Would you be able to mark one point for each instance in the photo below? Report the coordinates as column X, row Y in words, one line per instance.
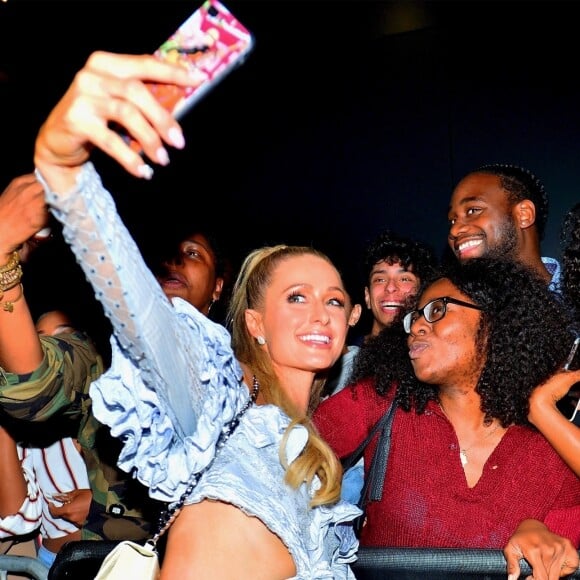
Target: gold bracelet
column 8, row 306
column 12, row 263
column 10, row 279
column 10, row 274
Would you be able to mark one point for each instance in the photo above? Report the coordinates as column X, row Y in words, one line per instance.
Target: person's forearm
column 563, row 435
column 13, row 487
column 22, row 213
column 112, row 263
column 59, row 179
column 20, row 347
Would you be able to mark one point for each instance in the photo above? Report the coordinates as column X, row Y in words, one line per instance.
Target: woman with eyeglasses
column 466, row 469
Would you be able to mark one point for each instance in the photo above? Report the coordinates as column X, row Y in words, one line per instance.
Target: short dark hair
column 521, row 184
column 394, row 248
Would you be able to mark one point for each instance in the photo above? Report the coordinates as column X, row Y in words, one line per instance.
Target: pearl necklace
column 463, row 452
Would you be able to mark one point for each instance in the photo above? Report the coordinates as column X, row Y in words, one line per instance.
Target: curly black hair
column 521, row 184
column 394, row 248
column 525, row 336
column 570, row 243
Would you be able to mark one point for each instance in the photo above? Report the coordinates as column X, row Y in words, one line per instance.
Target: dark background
column 348, row 118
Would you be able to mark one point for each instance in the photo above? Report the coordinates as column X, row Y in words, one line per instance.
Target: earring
column 261, row 340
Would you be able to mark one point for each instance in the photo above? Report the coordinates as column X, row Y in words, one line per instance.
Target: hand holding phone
column 210, row 44
column 572, row 360
column 572, row 363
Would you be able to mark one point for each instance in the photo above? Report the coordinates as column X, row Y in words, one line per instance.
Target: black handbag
column 375, row 475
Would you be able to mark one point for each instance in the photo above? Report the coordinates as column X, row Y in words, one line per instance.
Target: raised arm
column 22, row 213
column 110, row 89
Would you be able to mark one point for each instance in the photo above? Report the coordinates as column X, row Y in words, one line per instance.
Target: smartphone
column 211, row 42
column 573, row 360
column 573, row 363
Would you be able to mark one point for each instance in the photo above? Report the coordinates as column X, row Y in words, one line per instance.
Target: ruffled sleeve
column 126, row 400
column 332, row 543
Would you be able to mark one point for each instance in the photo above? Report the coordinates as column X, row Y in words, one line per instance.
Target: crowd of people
column 231, row 430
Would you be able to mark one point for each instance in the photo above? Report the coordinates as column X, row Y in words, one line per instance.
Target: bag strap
column 375, row 477
column 348, row 461
column 375, row 480
column 169, row 515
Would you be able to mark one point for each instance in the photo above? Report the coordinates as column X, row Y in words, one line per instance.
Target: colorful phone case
column 211, row 42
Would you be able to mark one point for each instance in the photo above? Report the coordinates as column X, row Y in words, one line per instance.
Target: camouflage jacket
column 55, row 397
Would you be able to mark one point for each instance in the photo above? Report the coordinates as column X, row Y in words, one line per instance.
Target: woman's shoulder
column 360, row 394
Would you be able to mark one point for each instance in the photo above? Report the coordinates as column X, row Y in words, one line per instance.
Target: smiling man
column 394, row 267
column 501, row 210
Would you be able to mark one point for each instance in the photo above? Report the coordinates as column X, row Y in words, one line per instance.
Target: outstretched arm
column 544, row 414
column 164, row 357
column 108, row 90
column 38, row 376
column 111, row 89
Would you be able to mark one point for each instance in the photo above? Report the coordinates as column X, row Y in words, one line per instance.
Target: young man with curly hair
column 394, row 266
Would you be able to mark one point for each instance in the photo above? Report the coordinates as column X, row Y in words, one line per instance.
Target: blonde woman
column 227, row 429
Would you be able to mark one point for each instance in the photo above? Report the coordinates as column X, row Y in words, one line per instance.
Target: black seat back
column 80, row 560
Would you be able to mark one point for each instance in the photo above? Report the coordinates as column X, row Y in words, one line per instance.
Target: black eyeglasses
column 434, row 311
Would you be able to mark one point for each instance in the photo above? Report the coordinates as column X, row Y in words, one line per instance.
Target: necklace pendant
column 463, row 457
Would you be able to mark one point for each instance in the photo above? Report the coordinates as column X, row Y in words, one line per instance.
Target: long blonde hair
column 249, row 289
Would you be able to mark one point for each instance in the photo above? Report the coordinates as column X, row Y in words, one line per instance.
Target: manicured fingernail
column 145, row 171
column 162, row 156
column 176, row 138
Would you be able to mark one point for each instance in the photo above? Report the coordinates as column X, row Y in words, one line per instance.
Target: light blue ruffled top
column 174, row 383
